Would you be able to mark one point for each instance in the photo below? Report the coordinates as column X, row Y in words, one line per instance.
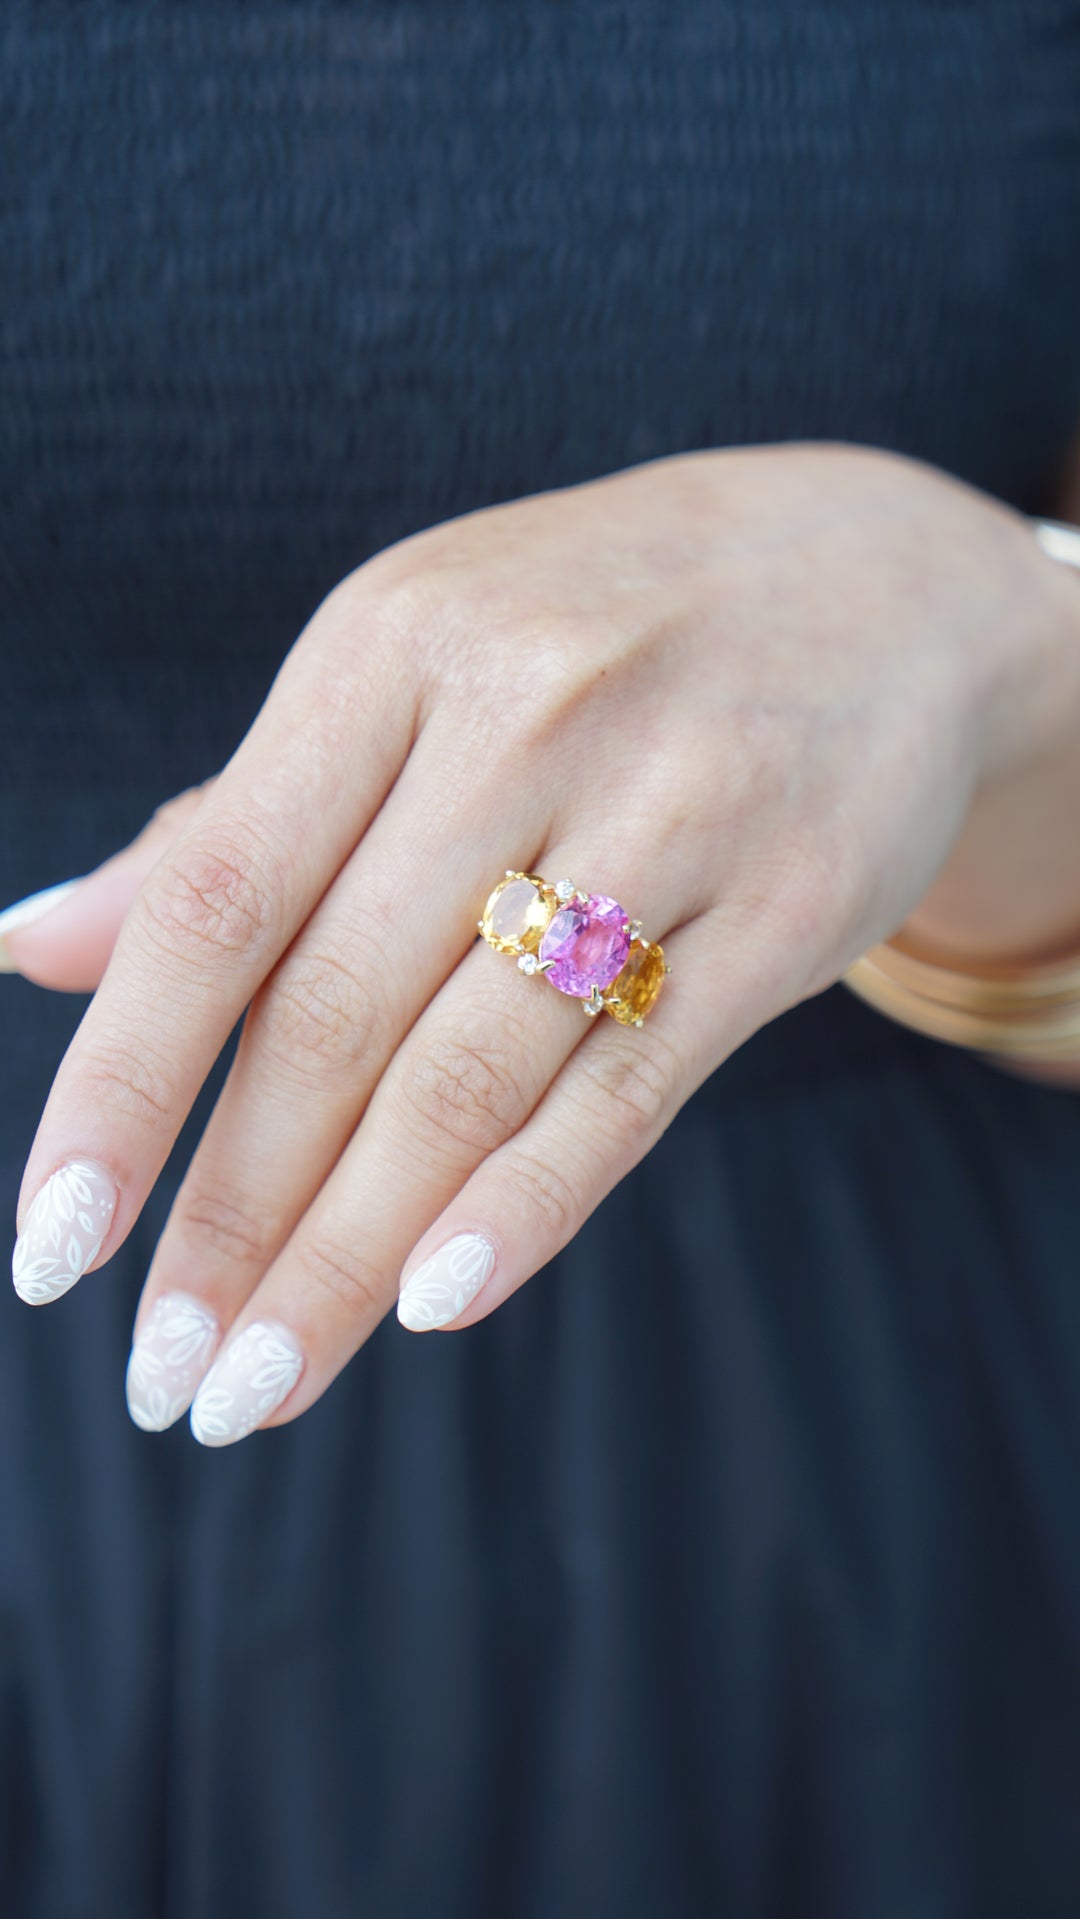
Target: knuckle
column 543, row 1192
column 199, row 898
column 383, row 612
column 226, row 1222
column 316, row 1014
column 636, row 1085
column 556, row 677
column 339, row 1274
column 132, row 1084
column 399, row 599
column 462, row 1091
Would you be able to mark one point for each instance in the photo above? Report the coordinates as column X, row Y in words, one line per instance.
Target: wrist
column 1028, row 708
column 1011, row 885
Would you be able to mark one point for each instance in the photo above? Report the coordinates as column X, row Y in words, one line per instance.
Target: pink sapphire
column 588, row 944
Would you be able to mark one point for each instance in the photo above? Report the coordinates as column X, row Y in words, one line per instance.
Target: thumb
column 63, row 937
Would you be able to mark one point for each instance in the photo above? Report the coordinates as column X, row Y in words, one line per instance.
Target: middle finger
column 316, row 1038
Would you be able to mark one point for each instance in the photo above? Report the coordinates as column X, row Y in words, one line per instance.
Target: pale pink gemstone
column 588, row 945
column 515, row 910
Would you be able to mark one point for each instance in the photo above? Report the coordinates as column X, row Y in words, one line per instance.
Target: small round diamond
column 565, row 890
column 528, row 963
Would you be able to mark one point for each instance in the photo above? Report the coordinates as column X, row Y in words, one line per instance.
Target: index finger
column 207, row 926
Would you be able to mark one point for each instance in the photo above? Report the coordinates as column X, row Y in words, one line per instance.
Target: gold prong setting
column 585, row 943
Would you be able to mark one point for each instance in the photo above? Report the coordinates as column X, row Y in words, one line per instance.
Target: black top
column 732, row 1566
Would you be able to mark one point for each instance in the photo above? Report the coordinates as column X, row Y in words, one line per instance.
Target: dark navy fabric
column 733, row 1567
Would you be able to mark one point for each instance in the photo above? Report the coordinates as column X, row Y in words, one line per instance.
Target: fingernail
column 248, row 1382
column 24, row 912
column 169, row 1356
column 64, row 1230
column 443, row 1286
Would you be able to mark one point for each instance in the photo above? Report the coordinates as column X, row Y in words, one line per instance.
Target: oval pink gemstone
column 588, row 944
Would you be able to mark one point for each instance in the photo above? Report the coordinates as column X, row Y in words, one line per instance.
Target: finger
column 215, row 914
column 605, row 1110
column 63, row 938
column 321, row 1031
column 465, row 1077
column 733, row 969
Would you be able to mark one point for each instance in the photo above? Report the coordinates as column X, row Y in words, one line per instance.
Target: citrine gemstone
column 516, row 914
column 630, row 996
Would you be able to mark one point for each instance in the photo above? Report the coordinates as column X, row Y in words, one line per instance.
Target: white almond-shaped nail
column 25, row 912
column 64, row 1230
column 169, row 1356
column 247, row 1382
column 443, row 1286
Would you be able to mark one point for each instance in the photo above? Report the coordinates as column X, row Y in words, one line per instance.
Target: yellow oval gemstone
column 634, row 990
column 516, row 914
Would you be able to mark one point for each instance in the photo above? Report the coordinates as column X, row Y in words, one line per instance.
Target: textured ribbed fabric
column 732, row 1567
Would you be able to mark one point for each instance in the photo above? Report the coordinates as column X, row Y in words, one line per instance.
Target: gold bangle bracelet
column 1028, row 1010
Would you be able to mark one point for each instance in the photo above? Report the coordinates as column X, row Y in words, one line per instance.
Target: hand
column 749, row 694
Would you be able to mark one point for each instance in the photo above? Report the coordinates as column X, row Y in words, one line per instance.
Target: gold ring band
column 583, row 944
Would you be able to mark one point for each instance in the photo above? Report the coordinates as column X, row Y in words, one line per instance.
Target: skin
column 777, row 701
column 1011, row 885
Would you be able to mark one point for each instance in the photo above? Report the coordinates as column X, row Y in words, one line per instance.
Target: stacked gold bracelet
column 1026, row 1010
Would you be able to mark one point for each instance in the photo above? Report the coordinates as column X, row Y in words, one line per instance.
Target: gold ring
column 583, row 944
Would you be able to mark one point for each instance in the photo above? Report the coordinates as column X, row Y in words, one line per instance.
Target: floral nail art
column 443, row 1286
column 64, row 1231
column 171, row 1353
column 254, row 1374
